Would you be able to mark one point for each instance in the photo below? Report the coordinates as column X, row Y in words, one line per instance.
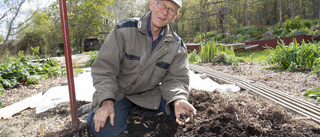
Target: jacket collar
column 143, row 28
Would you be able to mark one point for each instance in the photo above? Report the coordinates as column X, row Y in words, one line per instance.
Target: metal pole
column 67, row 54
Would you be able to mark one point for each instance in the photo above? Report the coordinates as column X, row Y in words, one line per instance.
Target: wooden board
column 236, row 46
column 8, row 111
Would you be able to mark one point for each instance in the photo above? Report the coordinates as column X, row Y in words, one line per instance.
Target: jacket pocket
column 130, row 61
column 159, row 72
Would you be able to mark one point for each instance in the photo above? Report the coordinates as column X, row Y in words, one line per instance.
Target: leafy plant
column 35, row 51
column 294, row 56
column 25, row 71
column 193, row 57
column 92, row 56
column 315, row 92
column 210, row 51
column 256, row 34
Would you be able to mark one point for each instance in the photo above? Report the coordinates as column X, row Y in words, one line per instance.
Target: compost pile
column 218, row 114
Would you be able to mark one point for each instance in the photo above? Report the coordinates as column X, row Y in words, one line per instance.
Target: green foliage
column 211, row 34
column 25, row 71
column 92, row 56
column 21, row 54
column 316, row 64
column 256, row 34
column 250, row 29
column 292, row 24
column 52, row 62
column 77, row 70
column 315, row 92
column 193, row 57
column 198, row 38
column 35, row 51
column 294, row 56
column 220, row 37
column 211, row 53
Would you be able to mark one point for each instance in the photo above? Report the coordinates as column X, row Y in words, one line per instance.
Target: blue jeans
column 122, row 109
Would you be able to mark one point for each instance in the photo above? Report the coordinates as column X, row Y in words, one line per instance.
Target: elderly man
column 142, row 63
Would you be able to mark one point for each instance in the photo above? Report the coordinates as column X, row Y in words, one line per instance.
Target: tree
column 9, row 18
column 129, row 8
column 86, row 18
column 37, row 33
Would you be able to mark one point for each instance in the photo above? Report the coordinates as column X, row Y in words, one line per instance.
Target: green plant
column 256, row 34
column 292, row 24
column 77, row 70
column 316, row 64
column 25, row 71
column 92, row 56
column 220, row 37
column 315, row 92
column 193, row 57
column 294, row 56
column 53, row 62
column 211, row 34
column 211, row 50
column 35, row 51
column 21, row 54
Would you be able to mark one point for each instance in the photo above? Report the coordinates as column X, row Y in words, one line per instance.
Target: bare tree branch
column 5, row 14
column 10, row 26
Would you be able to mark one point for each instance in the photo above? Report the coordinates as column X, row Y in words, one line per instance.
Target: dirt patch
column 225, row 114
column 219, row 114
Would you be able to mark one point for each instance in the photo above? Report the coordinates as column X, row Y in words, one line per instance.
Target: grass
column 259, row 56
column 77, row 70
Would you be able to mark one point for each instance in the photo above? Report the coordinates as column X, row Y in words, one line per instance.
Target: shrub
column 211, row 50
column 24, row 71
column 211, row 34
column 256, row 34
column 193, row 57
column 220, row 37
column 294, row 56
column 292, row 24
column 307, row 23
column 92, row 56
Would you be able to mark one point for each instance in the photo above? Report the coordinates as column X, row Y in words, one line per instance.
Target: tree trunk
column 267, row 13
column 189, row 38
column 303, row 12
column 245, row 15
column 280, row 13
column 82, row 44
column 292, row 9
column 275, row 13
column 314, row 9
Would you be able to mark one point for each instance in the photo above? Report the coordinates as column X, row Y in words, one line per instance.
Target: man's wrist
column 107, row 100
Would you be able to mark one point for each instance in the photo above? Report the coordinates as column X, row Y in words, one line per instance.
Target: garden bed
column 239, row 114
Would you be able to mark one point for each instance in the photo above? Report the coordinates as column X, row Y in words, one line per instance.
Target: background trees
column 97, row 18
column 224, row 15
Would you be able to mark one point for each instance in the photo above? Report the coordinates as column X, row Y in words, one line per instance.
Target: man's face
column 161, row 17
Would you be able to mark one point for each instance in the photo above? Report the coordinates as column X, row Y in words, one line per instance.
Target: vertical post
column 67, row 52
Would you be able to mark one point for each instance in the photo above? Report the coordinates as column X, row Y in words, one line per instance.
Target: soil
column 218, row 114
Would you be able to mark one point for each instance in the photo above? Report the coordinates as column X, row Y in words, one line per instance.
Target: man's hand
column 184, row 111
column 106, row 110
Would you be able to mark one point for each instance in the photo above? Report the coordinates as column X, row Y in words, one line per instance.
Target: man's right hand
column 106, row 110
